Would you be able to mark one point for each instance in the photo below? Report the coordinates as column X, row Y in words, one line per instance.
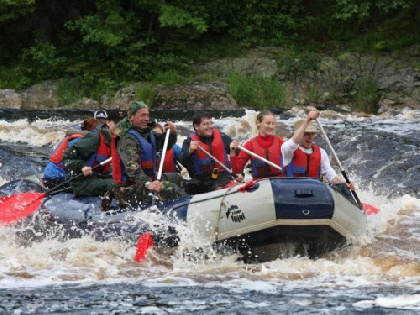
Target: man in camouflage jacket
column 140, row 185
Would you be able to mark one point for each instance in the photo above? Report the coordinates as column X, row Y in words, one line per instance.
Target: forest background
column 96, row 47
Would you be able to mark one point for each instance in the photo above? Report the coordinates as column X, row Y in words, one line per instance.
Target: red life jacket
column 117, row 164
column 147, row 157
column 169, row 165
column 204, row 165
column 103, row 153
column 57, row 155
column 305, row 165
column 261, row 169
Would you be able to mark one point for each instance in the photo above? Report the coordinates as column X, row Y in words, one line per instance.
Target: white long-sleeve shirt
column 288, row 149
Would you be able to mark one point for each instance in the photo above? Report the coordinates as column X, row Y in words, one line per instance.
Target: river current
column 378, row 275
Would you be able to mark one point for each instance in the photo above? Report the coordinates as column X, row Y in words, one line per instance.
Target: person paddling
column 265, row 145
column 55, row 172
column 88, row 152
column 206, row 175
column 302, row 158
column 135, row 161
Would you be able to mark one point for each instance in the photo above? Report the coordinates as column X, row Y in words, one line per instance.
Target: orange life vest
column 103, row 153
column 261, row 169
column 116, row 162
column 305, row 165
column 204, row 165
column 169, row 165
column 57, row 155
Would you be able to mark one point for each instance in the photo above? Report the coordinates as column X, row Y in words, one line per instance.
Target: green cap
column 135, row 106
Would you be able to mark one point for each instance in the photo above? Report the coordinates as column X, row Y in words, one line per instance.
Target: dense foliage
column 105, row 44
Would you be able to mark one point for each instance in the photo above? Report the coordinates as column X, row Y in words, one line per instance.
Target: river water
column 379, row 275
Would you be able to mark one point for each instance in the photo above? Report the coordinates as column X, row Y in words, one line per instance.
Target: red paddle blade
column 228, row 185
column 245, row 187
column 17, row 206
column 369, row 209
column 145, row 242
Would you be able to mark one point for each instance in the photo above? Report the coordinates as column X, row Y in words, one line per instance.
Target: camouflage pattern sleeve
column 129, row 150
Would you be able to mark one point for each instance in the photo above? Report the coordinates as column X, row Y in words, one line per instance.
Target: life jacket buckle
column 215, row 173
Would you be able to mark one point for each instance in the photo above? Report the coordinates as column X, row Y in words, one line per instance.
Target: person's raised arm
column 299, row 132
column 170, row 125
column 185, row 155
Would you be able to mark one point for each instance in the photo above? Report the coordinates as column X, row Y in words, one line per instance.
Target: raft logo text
column 235, row 213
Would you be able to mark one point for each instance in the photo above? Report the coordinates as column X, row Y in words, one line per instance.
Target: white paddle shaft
column 260, row 158
column 329, row 144
column 164, row 149
column 217, row 161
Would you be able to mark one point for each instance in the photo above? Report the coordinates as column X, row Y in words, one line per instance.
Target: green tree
column 107, row 43
column 362, row 10
column 13, row 27
column 14, row 9
column 380, row 24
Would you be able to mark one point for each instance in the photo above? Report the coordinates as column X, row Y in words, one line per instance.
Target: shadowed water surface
column 196, row 299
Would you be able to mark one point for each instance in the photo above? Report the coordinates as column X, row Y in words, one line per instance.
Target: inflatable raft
column 255, row 218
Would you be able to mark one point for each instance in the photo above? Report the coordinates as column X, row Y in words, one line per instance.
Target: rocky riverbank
column 308, row 80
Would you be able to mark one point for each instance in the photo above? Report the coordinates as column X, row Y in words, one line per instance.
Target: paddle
column 146, row 240
column 18, row 206
column 37, row 176
column 260, row 158
column 369, row 209
column 164, row 149
column 162, row 161
column 144, row 243
column 217, row 161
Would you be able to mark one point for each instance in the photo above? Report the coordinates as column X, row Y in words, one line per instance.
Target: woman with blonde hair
column 265, row 144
